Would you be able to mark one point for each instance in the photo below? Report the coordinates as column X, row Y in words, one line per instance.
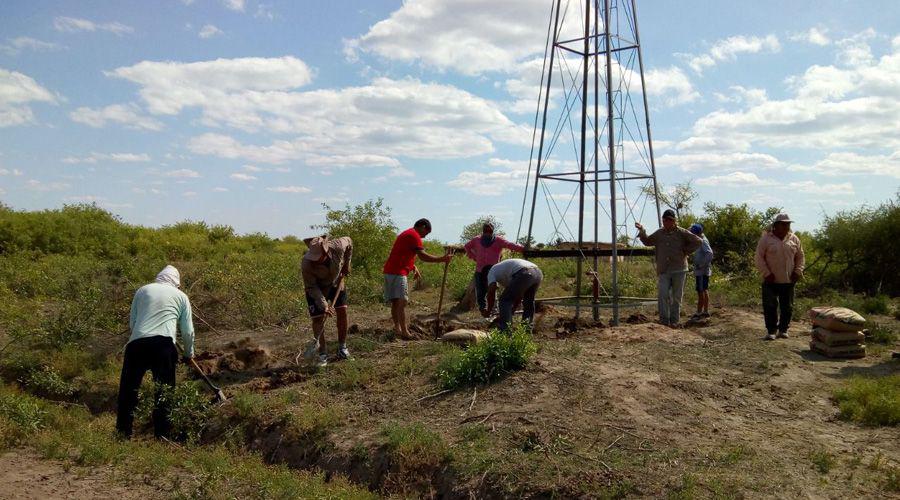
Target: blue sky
column 255, row 113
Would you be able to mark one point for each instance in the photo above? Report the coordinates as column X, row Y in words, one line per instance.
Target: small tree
column 473, row 230
column 733, row 232
column 371, row 228
column 678, row 199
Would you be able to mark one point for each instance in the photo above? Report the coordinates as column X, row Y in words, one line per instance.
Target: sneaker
column 312, row 347
column 783, row 335
column 704, row 314
column 323, row 361
column 769, row 336
column 696, row 317
column 343, row 352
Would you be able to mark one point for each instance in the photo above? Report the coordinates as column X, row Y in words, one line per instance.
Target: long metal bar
column 595, row 288
column 584, row 97
column 635, row 175
column 588, row 252
column 637, row 40
column 537, row 178
column 611, row 132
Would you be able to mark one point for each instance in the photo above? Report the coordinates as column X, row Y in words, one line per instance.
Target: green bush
column 880, row 334
column 879, row 304
column 859, row 249
column 487, row 361
column 190, row 410
column 870, row 401
column 733, row 232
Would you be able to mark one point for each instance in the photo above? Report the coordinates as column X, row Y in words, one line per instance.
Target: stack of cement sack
column 837, row 332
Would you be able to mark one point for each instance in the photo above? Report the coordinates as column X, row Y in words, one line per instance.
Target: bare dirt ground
column 710, row 410
column 25, row 475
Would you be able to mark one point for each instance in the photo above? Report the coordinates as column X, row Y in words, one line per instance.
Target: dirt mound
column 239, row 356
column 565, row 327
column 650, row 332
column 637, row 318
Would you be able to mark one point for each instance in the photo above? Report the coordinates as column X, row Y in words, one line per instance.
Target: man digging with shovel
column 158, row 309
column 324, row 267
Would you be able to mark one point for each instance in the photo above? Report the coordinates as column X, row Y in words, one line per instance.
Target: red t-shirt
column 403, row 254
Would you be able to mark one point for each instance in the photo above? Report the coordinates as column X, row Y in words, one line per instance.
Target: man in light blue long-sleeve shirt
column 158, row 311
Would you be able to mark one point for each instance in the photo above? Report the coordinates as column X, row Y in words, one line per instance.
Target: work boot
column 323, row 361
column 782, row 335
column 769, row 336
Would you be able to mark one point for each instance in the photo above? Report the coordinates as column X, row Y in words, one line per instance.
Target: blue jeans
column 671, row 289
column 522, row 287
column 481, row 287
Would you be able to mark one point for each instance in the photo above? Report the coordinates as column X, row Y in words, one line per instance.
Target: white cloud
column 73, row 25
column 235, row 5
column 289, row 189
column 671, row 85
column 510, row 176
column 743, row 95
column 819, row 189
column 209, row 31
column 734, row 179
column 19, row 44
column 36, row 185
column 243, row 84
column 242, row 177
column 111, row 157
column 852, row 107
column 849, row 163
column 855, row 50
column 471, row 37
column 183, row 173
column 252, row 168
column 815, row 35
column 220, row 189
column 717, row 161
column 14, row 172
column 98, row 200
column 264, row 11
column 17, row 91
column 357, row 160
column 189, row 194
column 128, row 115
column 728, row 49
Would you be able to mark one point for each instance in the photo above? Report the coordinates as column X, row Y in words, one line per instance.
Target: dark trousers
column 778, row 298
column 522, row 287
column 481, row 286
column 158, row 355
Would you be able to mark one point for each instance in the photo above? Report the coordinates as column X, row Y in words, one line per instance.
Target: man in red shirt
column 400, row 263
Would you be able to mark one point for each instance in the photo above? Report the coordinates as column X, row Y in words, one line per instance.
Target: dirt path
column 25, row 475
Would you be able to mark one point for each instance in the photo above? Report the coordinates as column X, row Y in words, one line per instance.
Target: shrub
column 414, row 446
column 190, row 409
column 879, row 304
column 733, row 232
column 870, row 401
column 487, row 361
column 880, row 334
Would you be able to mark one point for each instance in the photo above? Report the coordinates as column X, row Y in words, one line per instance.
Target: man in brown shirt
column 322, row 267
column 673, row 246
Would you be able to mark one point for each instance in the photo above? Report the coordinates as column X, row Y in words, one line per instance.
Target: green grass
column 414, row 446
column 488, row 360
column 870, row 400
column 822, row 461
column 880, row 334
column 73, row 435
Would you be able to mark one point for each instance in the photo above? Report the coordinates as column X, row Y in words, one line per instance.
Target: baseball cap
column 669, row 214
column 696, row 228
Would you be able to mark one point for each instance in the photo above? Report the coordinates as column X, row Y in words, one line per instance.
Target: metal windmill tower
column 592, row 153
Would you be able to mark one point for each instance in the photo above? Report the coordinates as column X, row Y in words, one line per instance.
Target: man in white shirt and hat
column 158, row 311
column 324, row 264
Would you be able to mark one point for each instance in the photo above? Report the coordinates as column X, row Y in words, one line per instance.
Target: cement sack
column 836, row 319
column 831, row 338
column 464, row 336
column 852, row 351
